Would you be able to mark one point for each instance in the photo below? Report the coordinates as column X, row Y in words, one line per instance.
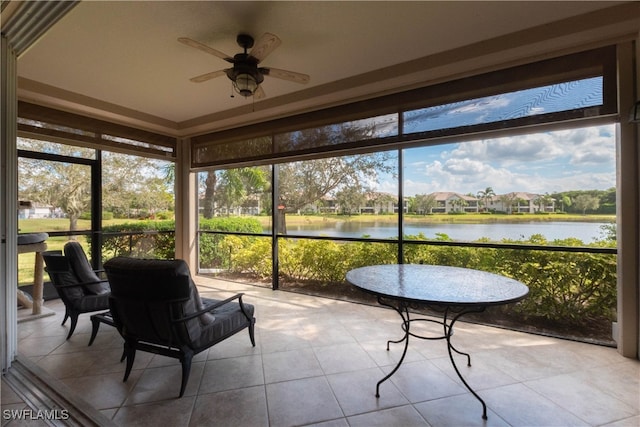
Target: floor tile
column 174, row 413
column 231, row 374
column 405, row 416
column 290, row 365
column 343, row 358
column 163, row 383
column 585, row 400
column 356, row 391
column 518, row 405
column 317, row 362
column 243, row 407
column 458, row 411
column 300, row 402
column 420, row 381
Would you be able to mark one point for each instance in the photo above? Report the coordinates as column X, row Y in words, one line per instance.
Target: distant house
column 448, row 202
column 375, row 203
column 32, row 210
column 521, row 202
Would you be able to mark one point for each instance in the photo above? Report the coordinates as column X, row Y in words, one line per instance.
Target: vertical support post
column 9, row 197
column 275, row 229
column 186, row 206
column 628, row 201
column 96, row 211
column 400, row 206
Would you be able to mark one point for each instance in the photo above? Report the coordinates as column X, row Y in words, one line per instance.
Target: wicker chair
column 156, row 308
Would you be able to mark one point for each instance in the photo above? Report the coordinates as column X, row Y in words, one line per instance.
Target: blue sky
column 545, row 162
column 574, row 159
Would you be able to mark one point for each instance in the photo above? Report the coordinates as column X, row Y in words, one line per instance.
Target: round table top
column 437, row 284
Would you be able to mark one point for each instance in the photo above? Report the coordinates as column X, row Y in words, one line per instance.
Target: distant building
column 448, row 202
column 33, row 210
column 521, row 202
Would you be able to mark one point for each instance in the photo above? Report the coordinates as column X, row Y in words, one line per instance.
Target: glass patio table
column 453, row 291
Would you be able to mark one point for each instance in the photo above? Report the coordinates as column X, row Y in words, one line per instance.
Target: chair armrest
column 72, row 285
column 212, row 307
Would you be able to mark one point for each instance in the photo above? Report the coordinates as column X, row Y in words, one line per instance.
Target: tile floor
column 317, row 361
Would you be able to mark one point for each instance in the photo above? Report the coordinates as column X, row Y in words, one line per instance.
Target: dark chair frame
column 183, row 352
column 57, row 266
column 175, row 345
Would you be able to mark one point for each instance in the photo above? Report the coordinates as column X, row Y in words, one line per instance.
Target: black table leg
column 403, row 311
column 450, row 347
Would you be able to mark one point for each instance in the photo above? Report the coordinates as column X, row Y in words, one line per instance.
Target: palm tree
column 485, row 195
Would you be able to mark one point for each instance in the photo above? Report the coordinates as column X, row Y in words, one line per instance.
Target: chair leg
column 130, row 351
column 95, row 325
column 186, row 369
column 74, row 322
column 66, row 316
column 252, row 336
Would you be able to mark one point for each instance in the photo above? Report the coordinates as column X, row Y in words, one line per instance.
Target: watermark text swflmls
column 31, row 414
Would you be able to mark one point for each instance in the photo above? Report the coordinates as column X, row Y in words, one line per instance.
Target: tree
column 485, row 195
column 236, row 185
column 459, row 204
column 230, row 188
column 564, row 201
column 128, row 182
column 424, row 203
column 134, row 185
column 508, row 201
column 308, row 182
column 61, row 185
column 350, row 199
column 586, row 202
column 383, row 200
column 542, row 202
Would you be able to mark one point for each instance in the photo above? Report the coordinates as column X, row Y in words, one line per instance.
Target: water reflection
column 585, row 231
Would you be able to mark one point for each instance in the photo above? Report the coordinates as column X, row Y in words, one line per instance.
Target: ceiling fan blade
column 259, row 93
column 205, row 48
column 265, row 45
column 208, row 76
column 286, row 75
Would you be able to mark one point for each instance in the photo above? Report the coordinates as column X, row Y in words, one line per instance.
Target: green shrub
column 141, row 240
column 565, row 287
column 215, row 254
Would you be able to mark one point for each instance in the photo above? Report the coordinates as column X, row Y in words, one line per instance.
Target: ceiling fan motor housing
column 245, row 64
column 245, row 41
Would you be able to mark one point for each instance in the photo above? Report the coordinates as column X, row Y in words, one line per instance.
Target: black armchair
column 77, row 284
column 156, row 308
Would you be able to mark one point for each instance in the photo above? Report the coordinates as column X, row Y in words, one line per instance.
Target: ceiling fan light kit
column 245, row 74
column 245, row 84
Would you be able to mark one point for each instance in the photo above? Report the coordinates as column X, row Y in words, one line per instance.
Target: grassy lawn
column 26, row 261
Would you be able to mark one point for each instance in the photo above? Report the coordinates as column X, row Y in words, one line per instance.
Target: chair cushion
column 228, row 318
column 92, row 303
column 61, row 274
column 83, row 270
column 148, row 279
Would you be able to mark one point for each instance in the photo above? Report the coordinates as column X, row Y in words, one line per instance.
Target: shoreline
column 293, row 219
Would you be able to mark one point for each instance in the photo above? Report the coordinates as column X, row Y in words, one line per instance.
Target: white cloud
column 564, row 160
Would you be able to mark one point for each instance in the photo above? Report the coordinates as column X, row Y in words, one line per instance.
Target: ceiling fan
column 245, row 73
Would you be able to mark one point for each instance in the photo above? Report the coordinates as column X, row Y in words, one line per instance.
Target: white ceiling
column 123, row 58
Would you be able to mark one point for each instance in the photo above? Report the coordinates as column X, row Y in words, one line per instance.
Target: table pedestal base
column 447, row 323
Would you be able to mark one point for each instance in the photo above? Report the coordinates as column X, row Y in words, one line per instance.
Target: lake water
column 585, row 231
